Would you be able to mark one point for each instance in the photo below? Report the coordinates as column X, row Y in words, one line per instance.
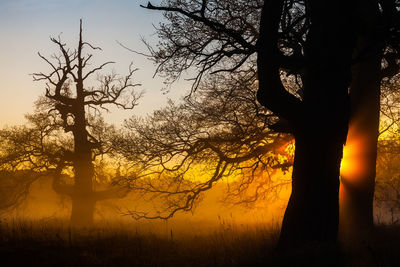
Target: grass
column 54, row 243
column 38, row 243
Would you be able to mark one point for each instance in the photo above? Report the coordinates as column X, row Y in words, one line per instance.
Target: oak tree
column 299, row 39
column 68, row 134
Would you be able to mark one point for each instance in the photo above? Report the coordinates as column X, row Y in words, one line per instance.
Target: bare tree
column 14, row 188
column 304, row 41
column 27, row 153
column 387, row 190
column 219, row 134
column 72, row 106
column 387, row 186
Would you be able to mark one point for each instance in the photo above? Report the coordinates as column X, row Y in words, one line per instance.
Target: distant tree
column 27, row 153
column 68, row 133
column 299, row 39
column 387, row 189
column 14, row 188
column 219, row 134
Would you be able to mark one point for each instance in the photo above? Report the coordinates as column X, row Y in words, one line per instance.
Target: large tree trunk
column 312, row 214
column 312, row 211
column 359, row 164
column 320, row 121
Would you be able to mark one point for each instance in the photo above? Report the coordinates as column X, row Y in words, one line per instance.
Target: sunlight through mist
column 352, row 163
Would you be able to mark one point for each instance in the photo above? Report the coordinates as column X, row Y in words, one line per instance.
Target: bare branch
column 214, row 25
column 97, row 69
column 216, row 133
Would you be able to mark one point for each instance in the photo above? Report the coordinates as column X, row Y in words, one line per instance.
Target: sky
column 25, row 28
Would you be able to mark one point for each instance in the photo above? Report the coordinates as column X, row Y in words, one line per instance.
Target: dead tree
column 74, row 105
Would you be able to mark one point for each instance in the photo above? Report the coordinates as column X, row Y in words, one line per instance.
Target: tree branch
column 271, row 92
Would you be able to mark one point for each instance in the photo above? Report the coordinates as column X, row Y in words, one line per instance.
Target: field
column 52, row 243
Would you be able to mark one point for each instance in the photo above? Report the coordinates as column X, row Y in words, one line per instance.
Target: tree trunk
column 320, row 120
column 359, row 163
column 83, row 200
column 312, row 213
column 82, row 210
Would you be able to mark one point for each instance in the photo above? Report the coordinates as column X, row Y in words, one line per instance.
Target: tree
column 27, row 153
column 375, row 64
column 387, row 187
column 298, row 39
column 14, row 188
column 219, row 134
column 387, row 191
column 68, row 133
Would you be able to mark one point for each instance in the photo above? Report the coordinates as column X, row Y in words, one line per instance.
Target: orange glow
column 353, row 162
column 350, row 162
column 352, row 165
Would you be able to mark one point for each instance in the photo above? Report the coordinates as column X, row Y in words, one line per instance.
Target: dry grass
column 53, row 243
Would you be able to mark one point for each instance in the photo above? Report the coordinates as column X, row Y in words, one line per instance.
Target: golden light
column 352, row 165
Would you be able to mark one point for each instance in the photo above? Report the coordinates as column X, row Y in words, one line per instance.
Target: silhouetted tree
column 27, row 153
column 387, row 187
column 35, row 151
column 299, row 39
column 71, row 105
column 219, row 134
column 14, row 188
column 375, row 63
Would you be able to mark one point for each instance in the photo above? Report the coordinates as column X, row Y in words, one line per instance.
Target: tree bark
column 82, row 212
column 312, row 214
column 83, row 201
column 358, row 173
column 359, row 164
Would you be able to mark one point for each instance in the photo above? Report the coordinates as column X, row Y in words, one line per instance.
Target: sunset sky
column 25, row 28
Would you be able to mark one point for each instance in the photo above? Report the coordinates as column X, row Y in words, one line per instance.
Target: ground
column 55, row 244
